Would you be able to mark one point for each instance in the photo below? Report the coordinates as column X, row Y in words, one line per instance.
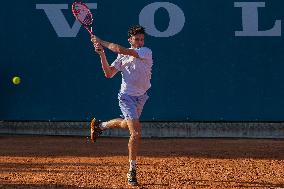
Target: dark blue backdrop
column 202, row 73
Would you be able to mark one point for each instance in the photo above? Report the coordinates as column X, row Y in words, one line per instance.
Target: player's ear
column 129, row 40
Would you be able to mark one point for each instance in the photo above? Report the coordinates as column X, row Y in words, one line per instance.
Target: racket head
column 82, row 13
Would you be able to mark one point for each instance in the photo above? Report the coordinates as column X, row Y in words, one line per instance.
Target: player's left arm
column 116, row 48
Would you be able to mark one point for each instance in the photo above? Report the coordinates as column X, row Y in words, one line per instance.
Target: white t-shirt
column 136, row 72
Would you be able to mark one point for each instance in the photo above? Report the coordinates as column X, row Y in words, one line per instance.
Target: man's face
column 136, row 41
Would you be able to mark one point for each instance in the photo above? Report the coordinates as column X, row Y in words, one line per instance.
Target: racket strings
column 88, row 19
column 83, row 14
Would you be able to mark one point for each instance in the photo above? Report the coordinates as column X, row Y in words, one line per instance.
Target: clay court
column 73, row 162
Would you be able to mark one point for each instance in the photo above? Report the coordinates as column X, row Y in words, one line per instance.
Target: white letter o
column 147, row 20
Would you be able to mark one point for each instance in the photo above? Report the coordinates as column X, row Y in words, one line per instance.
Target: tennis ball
column 16, row 80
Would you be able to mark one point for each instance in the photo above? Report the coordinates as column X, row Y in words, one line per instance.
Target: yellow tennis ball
column 16, row 80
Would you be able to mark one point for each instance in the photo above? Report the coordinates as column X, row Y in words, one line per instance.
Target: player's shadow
column 45, row 186
column 234, row 183
column 216, row 148
column 41, row 167
column 155, row 185
column 48, row 146
column 220, row 148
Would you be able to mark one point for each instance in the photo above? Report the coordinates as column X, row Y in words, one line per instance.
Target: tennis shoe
column 95, row 129
column 131, row 178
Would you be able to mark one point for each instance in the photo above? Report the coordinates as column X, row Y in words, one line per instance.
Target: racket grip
column 99, row 50
column 91, row 33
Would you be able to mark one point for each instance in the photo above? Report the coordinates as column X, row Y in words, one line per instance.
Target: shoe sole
column 133, row 184
column 92, row 130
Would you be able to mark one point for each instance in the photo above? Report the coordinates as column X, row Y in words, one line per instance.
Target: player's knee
column 135, row 135
column 123, row 124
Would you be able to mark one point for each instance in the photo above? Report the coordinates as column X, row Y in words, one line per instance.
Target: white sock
column 103, row 125
column 132, row 165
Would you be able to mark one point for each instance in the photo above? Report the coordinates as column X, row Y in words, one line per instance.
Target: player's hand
column 95, row 39
column 99, row 48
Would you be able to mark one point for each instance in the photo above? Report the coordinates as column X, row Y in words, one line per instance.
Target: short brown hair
column 134, row 30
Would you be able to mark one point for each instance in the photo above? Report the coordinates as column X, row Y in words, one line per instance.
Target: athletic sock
column 132, row 165
column 103, row 125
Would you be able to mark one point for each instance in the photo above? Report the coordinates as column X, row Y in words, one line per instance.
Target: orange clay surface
column 73, row 162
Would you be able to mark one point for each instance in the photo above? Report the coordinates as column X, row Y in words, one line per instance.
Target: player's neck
column 132, row 47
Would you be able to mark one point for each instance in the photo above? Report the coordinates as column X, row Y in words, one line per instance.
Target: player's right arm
column 108, row 70
column 115, row 47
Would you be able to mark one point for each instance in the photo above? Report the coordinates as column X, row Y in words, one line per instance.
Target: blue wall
column 202, row 71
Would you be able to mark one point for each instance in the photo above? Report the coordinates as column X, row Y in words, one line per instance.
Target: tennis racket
column 83, row 14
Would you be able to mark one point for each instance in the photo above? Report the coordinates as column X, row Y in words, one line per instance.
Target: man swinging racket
column 135, row 65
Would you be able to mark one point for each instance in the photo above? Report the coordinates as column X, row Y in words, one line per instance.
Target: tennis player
column 135, row 65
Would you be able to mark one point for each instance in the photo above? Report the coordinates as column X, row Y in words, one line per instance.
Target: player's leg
column 114, row 123
column 135, row 130
column 97, row 127
column 134, row 139
column 133, row 145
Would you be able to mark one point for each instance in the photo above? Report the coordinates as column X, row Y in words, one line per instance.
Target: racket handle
column 91, row 38
column 90, row 32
